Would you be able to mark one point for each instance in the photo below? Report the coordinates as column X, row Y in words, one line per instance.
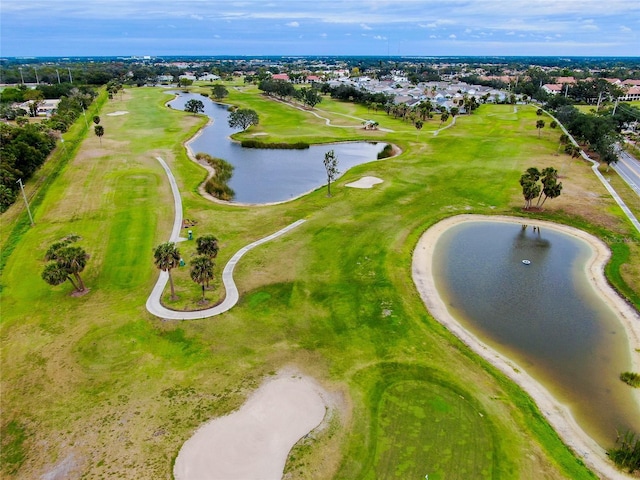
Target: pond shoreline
column 557, row 414
column 211, row 172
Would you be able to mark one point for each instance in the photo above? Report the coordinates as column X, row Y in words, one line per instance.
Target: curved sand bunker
column 118, row 113
column 365, row 182
column 558, row 415
column 254, row 442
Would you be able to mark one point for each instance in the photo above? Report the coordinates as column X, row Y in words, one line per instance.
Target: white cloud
column 511, row 33
column 379, row 37
column 293, row 24
column 323, row 35
column 433, row 36
column 453, row 36
column 364, row 26
column 197, row 17
column 625, row 29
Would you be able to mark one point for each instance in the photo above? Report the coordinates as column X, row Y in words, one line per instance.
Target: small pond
column 545, row 315
column 264, row 176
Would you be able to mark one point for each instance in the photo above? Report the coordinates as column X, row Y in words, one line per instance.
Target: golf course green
column 94, row 386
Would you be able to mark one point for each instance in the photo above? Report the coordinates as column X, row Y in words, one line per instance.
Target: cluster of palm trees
column 167, row 257
column 66, row 261
column 569, row 147
column 531, row 189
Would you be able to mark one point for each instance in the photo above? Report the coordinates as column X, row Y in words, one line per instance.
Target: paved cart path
column 153, row 302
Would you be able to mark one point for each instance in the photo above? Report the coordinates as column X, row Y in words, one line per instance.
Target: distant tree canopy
column 22, row 151
column 599, row 131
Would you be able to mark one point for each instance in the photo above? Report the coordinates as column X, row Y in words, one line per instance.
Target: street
column 629, row 169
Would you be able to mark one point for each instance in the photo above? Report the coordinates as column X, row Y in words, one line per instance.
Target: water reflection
column 544, row 315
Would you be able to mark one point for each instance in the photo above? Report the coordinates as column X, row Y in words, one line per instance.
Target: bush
column 631, row 378
column 274, row 146
column 386, row 152
column 217, row 185
column 627, row 453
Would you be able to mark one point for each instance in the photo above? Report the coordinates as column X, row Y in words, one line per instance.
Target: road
column 629, row 169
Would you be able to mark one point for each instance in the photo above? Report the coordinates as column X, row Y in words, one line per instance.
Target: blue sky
column 319, row 27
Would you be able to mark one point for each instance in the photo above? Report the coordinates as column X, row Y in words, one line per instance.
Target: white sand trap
column 254, row 442
column 365, row 182
column 118, row 113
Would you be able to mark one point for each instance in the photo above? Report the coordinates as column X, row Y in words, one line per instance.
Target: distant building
column 46, row 108
column 631, row 94
column 566, row 80
column 553, row 88
column 209, row 77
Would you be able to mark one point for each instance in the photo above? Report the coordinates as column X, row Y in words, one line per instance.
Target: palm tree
column 418, row 125
column 99, row 129
column 444, row 117
column 530, row 187
column 55, row 275
column 167, row 256
column 66, row 261
column 539, row 126
column 202, row 271
column 549, row 181
column 208, row 246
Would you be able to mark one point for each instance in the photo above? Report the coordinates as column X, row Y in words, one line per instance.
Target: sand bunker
column 365, row 182
column 254, row 442
column 558, row 415
column 118, row 113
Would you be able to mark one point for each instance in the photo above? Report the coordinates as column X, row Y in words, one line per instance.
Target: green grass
column 99, row 377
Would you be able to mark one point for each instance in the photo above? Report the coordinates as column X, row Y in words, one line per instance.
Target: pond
column 545, row 315
column 265, row 176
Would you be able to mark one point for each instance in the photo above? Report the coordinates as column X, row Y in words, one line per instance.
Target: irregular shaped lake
column 546, row 316
column 265, row 176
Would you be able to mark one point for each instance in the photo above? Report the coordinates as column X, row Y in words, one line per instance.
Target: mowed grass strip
column 97, row 377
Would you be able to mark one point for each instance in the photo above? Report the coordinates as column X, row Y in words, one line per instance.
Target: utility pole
column 21, row 76
column 85, row 118
column 614, row 108
column 36, row 70
column 70, row 78
column 58, row 73
column 25, row 201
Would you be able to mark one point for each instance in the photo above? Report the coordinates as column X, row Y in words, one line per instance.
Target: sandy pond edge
column 557, row 414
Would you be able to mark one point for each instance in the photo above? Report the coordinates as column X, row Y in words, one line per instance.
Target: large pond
column 265, row 176
column 545, row 315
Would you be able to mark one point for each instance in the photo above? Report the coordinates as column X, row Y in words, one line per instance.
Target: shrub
column 386, row 152
column 626, row 454
column 631, row 378
column 217, row 184
column 274, row 145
